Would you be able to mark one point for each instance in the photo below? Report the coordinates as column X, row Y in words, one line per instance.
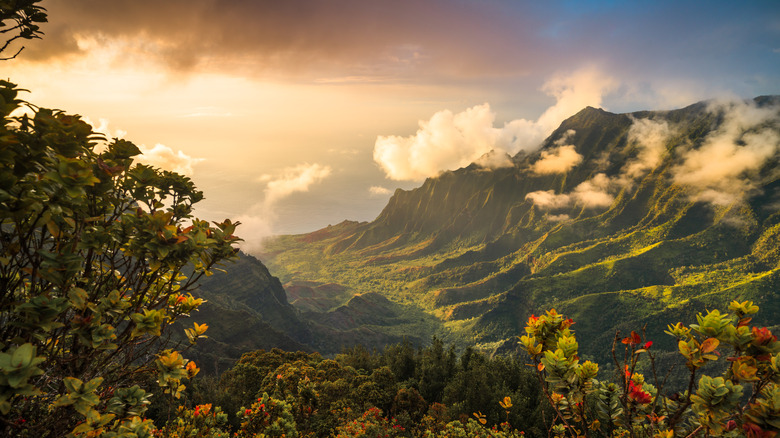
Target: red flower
column 638, row 395
column 762, row 336
column 632, row 339
column 247, row 412
column 647, row 345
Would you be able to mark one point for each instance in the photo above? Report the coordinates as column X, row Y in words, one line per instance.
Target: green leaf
column 73, row 384
column 78, row 298
column 23, row 356
column 92, row 385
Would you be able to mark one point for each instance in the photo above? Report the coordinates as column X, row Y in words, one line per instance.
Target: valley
column 617, row 239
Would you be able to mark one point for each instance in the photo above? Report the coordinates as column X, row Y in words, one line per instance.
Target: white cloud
column 650, row 137
column 558, row 217
column 379, row 191
column 103, row 128
column 593, row 193
column 448, row 141
column 165, row 158
column 258, row 221
column 294, row 179
column 548, row 200
column 573, row 92
column 719, row 170
column 160, row 156
column 558, row 160
column 495, row 160
column 256, row 226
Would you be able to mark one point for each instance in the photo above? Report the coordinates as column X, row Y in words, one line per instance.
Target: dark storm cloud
column 353, row 36
column 736, row 45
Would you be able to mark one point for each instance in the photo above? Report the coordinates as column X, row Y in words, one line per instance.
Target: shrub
column 95, row 253
column 744, row 400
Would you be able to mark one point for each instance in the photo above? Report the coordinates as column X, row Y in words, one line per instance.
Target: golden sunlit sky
column 292, row 115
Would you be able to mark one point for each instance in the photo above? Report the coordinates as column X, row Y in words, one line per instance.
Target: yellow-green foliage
column 745, row 399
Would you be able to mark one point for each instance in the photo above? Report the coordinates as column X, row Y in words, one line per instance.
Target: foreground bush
column 743, row 401
column 98, row 257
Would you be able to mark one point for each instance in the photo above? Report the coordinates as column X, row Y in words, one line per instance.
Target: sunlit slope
column 474, row 250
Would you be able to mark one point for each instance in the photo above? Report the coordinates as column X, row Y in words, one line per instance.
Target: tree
column 98, row 255
column 23, row 16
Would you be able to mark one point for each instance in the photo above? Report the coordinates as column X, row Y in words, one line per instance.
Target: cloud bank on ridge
column 448, row 140
column 721, row 171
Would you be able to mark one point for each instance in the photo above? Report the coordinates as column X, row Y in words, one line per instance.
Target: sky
column 293, row 115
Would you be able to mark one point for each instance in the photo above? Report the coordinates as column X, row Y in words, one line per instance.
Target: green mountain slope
column 246, row 309
column 637, row 232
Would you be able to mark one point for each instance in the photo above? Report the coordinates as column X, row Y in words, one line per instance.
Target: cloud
column 720, row 170
column 379, row 191
column 548, row 200
column 573, row 92
column 102, row 127
column 256, row 226
column 650, row 137
column 351, row 39
column 295, row 179
column 165, row 158
column 258, row 220
column 448, row 141
column 558, row 217
column 593, row 193
column 560, row 159
column 495, row 160
column 160, row 156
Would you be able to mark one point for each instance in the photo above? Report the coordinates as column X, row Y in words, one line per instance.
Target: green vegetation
column 401, row 392
column 99, row 256
column 93, row 252
column 743, row 401
column 471, row 252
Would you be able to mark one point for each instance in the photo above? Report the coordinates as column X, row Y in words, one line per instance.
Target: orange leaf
column 709, row 345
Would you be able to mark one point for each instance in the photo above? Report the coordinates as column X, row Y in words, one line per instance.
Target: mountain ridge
column 624, row 228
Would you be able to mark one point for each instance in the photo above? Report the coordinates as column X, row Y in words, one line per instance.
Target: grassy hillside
column 470, row 254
